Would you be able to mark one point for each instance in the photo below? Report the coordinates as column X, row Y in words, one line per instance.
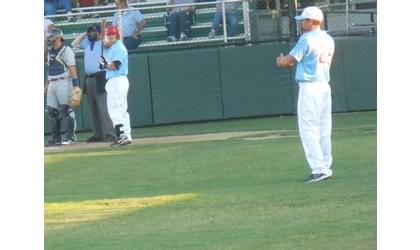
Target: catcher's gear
column 113, row 30
column 53, row 35
column 76, row 97
column 103, row 64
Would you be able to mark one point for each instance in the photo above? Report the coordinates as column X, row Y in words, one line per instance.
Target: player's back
column 317, row 49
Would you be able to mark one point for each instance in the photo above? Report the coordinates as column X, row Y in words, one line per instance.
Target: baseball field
column 239, row 191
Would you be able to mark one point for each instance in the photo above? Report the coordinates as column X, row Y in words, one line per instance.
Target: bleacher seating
column 155, row 34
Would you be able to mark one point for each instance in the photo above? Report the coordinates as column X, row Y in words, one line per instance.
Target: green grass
column 347, row 120
column 247, row 194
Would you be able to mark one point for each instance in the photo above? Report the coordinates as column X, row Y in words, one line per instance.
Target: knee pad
column 52, row 112
column 63, row 111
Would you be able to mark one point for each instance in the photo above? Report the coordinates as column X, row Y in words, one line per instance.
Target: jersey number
column 326, row 57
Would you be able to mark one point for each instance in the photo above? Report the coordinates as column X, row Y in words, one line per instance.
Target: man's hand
column 285, row 61
column 45, row 88
column 103, row 64
column 136, row 36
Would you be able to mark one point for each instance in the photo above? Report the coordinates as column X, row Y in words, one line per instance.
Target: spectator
column 231, row 19
column 179, row 19
column 91, row 43
column 88, row 3
column 51, row 7
column 133, row 23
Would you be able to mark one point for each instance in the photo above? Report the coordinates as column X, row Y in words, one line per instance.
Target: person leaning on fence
column 51, row 7
column 91, row 43
column 231, row 19
column 179, row 20
column 133, row 23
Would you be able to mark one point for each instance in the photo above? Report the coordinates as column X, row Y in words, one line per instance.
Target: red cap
column 113, row 30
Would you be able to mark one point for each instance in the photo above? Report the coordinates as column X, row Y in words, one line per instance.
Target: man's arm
column 169, row 9
column 73, row 72
column 139, row 28
column 76, row 42
column 286, row 61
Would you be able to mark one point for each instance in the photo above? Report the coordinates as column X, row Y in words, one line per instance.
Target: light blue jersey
column 117, row 52
column 92, row 53
column 314, row 52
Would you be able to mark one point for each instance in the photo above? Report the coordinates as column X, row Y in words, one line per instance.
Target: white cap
column 312, row 12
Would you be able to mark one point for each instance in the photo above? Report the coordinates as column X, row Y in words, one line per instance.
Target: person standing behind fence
column 94, row 87
column 179, row 20
column 115, row 61
column 51, row 7
column 313, row 54
column 133, row 23
column 231, row 19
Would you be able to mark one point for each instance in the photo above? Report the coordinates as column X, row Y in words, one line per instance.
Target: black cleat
column 53, row 142
column 317, row 177
column 121, row 141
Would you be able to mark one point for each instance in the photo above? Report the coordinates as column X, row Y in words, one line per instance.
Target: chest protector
column 56, row 65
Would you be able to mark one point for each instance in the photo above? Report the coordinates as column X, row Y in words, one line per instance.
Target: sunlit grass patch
column 51, row 158
column 64, row 214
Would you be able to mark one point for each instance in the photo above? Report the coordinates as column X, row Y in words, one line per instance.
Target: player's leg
column 65, row 112
column 326, row 126
column 309, row 128
column 52, row 112
column 124, row 108
column 117, row 89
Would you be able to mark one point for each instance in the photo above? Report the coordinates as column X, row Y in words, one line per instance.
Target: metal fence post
column 347, row 16
column 292, row 21
column 224, row 21
column 247, row 26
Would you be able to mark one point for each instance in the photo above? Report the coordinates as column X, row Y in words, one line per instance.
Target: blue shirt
column 92, row 55
column 314, row 52
column 130, row 20
column 231, row 7
column 117, row 52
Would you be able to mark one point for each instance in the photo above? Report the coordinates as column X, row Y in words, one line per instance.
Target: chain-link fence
column 257, row 21
column 270, row 18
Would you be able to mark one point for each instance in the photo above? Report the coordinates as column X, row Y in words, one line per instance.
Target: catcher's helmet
column 113, row 30
column 54, row 34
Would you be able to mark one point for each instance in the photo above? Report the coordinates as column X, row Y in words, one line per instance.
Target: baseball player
column 313, row 54
column 62, row 81
column 115, row 61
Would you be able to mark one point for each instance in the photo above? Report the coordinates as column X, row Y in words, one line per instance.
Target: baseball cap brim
column 299, row 18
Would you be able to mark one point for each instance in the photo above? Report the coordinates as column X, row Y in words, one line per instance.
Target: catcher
column 62, row 88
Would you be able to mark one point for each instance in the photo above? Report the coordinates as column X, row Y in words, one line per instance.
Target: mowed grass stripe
column 65, row 214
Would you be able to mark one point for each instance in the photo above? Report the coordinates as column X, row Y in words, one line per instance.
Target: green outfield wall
column 233, row 82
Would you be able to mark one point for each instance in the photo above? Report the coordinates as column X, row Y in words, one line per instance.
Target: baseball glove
column 76, row 97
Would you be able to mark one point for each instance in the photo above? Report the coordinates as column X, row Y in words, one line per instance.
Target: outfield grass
column 232, row 194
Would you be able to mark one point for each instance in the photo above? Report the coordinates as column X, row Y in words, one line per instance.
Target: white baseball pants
column 117, row 90
column 314, row 117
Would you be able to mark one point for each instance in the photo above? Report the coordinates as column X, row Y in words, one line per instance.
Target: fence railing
column 340, row 19
column 161, row 6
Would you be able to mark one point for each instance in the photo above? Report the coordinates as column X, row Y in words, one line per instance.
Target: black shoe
column 93, row 139
column 109, row 138
column 121, row 141
column 317, row 177
column 53, row 142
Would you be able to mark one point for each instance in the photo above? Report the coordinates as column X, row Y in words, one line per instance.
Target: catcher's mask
column 52, row 36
